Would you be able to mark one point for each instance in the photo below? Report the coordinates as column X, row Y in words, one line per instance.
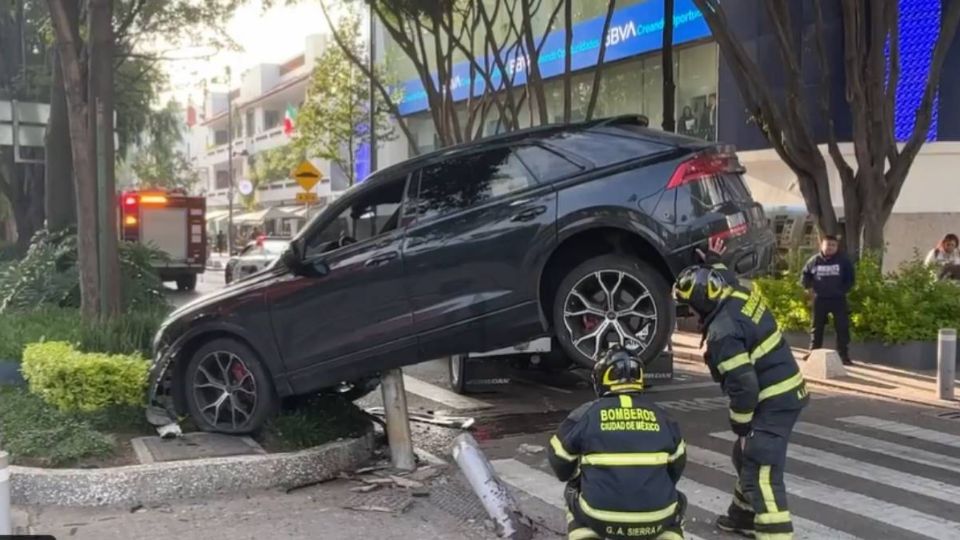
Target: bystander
column 829, row 276
column 945, row 258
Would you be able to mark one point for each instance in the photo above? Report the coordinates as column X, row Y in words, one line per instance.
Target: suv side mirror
column 292, row 259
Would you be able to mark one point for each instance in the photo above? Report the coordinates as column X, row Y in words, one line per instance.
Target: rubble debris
column 456, row 422
column 367, row 488
column 530, row 448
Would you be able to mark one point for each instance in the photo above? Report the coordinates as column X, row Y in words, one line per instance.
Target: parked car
column 254, row 257
column 575, row 231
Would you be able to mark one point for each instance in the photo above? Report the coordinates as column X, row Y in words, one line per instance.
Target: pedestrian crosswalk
column 872, row 475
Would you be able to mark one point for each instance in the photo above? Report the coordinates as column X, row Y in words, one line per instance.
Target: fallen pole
column 6, row 522
column 398, row 421
column 493, row 493
column 946, row 362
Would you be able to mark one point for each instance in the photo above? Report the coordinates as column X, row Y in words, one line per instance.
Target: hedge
column 907, row 305
column 71, row 380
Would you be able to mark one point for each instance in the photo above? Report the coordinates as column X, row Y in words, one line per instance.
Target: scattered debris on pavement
column 455, row 422
column 530, row 448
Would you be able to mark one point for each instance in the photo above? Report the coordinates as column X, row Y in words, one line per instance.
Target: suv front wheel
column 612, row 299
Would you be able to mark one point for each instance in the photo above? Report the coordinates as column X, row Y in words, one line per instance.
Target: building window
column 251, row 123
column 271, row 119
column 220, row 137
column 696, row 76
column 223, row 180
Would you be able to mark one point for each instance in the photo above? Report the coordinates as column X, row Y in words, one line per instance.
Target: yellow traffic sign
column 307, row 175
column 307, row 196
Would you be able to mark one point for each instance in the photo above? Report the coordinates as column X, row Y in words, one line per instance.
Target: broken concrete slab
column 823, row 364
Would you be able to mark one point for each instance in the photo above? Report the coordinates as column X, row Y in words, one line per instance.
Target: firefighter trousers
column 580, row 527
column 759, row 496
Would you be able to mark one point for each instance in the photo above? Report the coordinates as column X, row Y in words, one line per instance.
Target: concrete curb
column 157, row 482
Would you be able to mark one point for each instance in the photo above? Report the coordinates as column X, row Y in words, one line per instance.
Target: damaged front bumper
column 161, row 410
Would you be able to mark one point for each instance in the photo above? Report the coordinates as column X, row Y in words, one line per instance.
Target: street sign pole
column 398, row 422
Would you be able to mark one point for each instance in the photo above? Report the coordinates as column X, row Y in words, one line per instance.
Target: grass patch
column 38, row 434
column 315, row 421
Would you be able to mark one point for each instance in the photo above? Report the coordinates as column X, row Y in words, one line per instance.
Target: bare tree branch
column 598, row 71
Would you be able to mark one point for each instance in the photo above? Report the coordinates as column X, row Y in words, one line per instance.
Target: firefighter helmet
column 617, row 371
column 700, row 287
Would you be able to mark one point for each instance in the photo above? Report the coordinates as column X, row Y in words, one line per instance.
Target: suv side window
column 466, row 181
column 374, row 213
column 545, row 164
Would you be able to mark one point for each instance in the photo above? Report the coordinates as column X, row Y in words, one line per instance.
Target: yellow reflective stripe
column 626, row 402
column 734, row 362
column 560, row 451
column 681, row 449
column 769, row 501
column 621, row 387
column 742, row 505
column 720, row 266
column 741, row 418
column 637, row 459
column 570, row 518
column 772, row 518
column 582, row 534
column 768, row 345
column 735, row 293
column 669, row 535
column 628, row 517
column 772, row 536
column 781, row 387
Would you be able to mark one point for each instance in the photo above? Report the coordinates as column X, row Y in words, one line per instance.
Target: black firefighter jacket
column 747, row 354
column 629, row 456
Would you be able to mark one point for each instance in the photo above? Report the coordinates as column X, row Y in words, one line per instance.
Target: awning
column 261, row 216
column 217, row 215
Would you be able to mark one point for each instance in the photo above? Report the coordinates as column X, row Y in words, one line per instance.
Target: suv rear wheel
column 612, row 299
column 227, row 388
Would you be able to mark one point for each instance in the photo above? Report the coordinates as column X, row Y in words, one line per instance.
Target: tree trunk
column 101, row 101
column 66, row 29
column 669, row 88
column 60, row 197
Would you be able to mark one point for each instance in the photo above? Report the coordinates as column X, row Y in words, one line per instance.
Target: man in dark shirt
column 830, row 276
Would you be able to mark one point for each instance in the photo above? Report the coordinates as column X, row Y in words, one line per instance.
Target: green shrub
column 907, row 305
column 75, row 381
column 317, row 420
column 131, row 333
column 48, row 275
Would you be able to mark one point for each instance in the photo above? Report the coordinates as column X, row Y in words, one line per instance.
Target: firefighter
column 747, row 355
column 621, row 457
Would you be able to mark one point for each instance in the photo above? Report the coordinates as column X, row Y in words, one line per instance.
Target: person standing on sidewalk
column 829, row 275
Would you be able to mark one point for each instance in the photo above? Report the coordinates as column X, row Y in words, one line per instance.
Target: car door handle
column 529, row 213
column 381, row 260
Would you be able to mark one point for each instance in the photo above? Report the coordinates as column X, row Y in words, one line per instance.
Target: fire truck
column 174, row 223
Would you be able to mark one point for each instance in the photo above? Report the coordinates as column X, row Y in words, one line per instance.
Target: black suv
column 575, row 231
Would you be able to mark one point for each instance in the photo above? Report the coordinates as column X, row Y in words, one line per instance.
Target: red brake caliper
column 239, row 372
column 590, row 322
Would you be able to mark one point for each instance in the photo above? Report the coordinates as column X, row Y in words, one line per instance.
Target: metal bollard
column 398, row 422
column 946, row 362
column 493, row 494
column 6, row 522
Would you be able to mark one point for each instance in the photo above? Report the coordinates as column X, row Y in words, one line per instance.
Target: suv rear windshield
column 715, row 190
column 604, row 149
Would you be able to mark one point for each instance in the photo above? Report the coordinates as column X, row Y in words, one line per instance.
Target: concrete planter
column 913, row 355
column 157, row 482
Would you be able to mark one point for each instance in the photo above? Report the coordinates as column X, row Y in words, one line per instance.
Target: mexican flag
column 288, row 120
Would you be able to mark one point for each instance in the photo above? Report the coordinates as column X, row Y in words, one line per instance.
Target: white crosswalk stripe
column 905, row 430
column 868, row 507
column 868, row 471
column 879, row 446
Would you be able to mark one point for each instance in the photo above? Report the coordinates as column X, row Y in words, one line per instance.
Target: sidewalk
column 217, row 261
column 872, row 379
column 309, row 513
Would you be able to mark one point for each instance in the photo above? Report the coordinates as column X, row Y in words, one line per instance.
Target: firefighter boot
column 737, row 521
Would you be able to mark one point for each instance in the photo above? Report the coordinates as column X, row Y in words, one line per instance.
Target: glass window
column 463, row 182
column 709, row 193
column 546, row 165
column 375, row 212
column 696, row 77
column 251, row 123
column 220, row 137
column 223, row 180
column 271, row 119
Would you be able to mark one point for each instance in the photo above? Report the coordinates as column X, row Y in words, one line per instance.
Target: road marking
column 879, row 446
column 898, row 428
column 533, row 481
column 899, row 480
column 715, row 501
column 442, row 395
column 848, row 501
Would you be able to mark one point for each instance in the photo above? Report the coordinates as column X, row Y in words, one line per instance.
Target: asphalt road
column 207, row 282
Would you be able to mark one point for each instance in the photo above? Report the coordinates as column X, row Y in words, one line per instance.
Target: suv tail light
column 704, row 165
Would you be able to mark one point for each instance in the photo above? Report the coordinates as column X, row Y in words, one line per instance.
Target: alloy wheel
column 225, row 390
column 609, row 306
